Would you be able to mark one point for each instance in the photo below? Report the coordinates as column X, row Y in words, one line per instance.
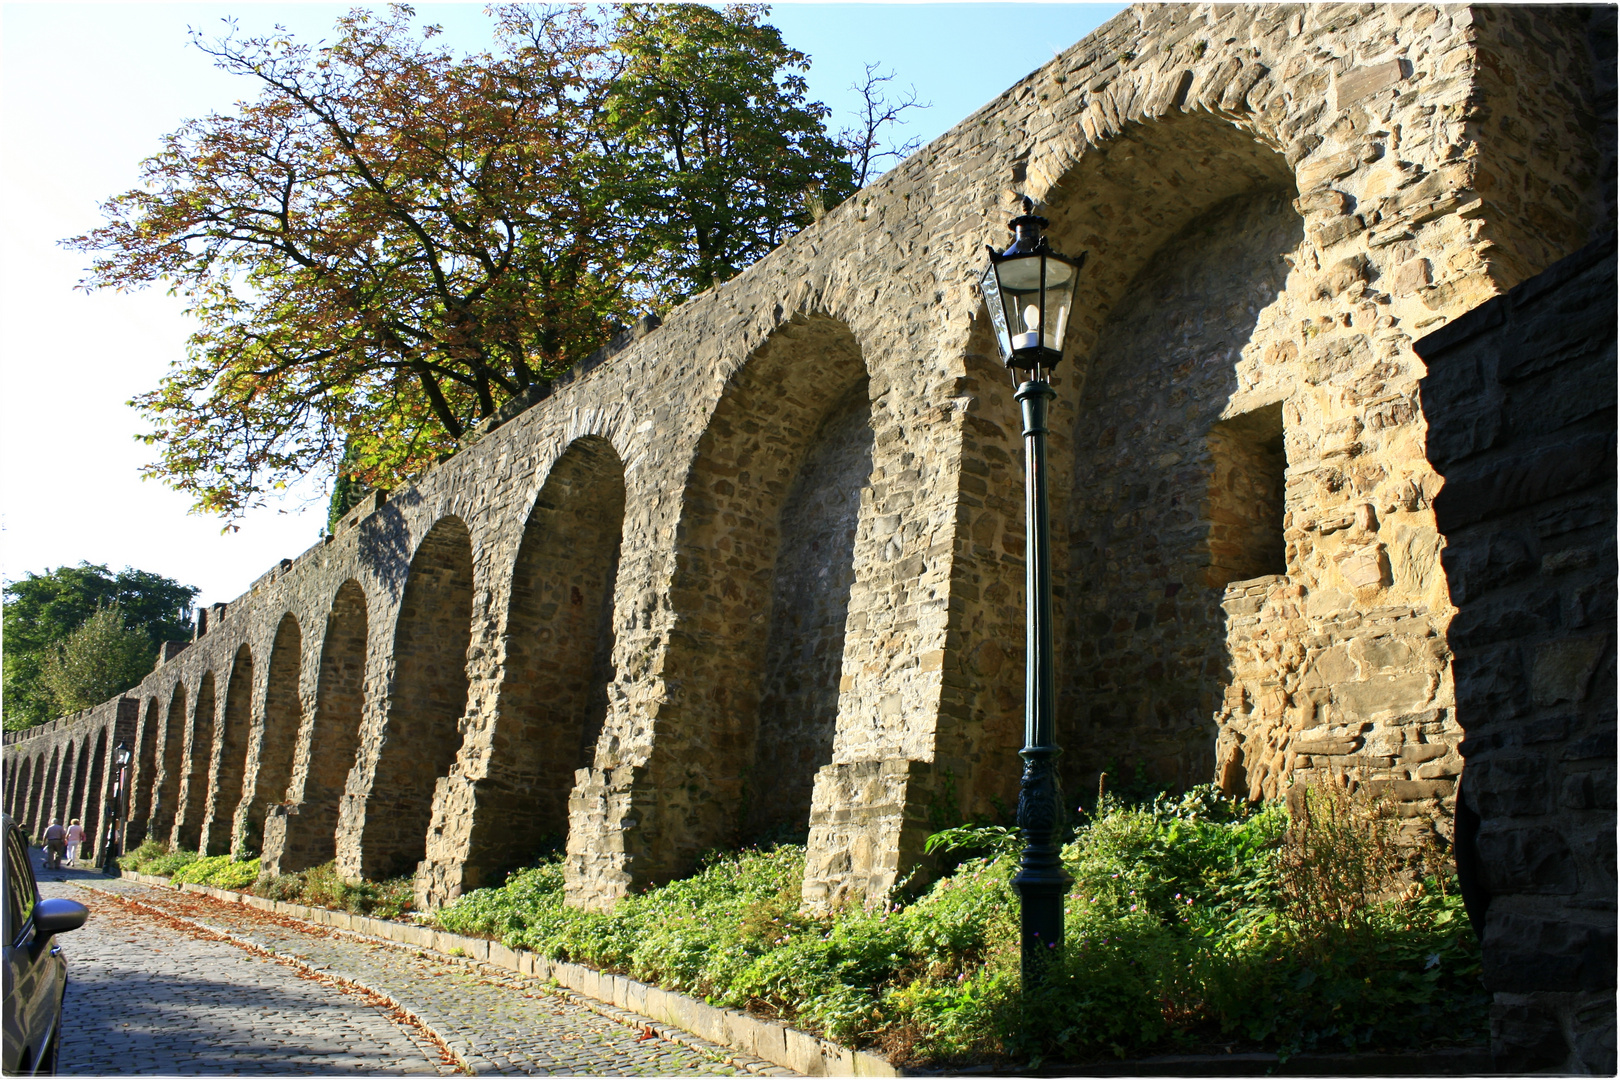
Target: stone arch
column 62, row 790
column 327, row 756
column 234, row 741
column 95, row 795
column 21, row 790
column 271, row 772
column 47, row 795
column 199, row 751
column 427, row 699
column 757, row 649
column 558, row 649
column 166, row 800
column 1186, row 220
column 1192, row 233
column 36, row 797
column 143, row 777
column 81, row 782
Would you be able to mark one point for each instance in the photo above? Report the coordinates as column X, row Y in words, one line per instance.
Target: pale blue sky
column 86, row 90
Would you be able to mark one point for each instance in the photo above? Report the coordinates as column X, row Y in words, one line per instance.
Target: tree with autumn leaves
column 393, row 240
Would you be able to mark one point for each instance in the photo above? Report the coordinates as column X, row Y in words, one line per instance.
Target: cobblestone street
column 168, row 982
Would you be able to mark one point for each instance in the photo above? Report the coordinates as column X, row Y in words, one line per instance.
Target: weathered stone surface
column 759, row 569
column 1529, row 515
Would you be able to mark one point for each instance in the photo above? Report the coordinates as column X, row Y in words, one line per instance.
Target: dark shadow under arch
column 559, row 660
column 1186, row 219
column 283, row 714
column 199, row 753
column 426, row 701
column 93, row 797
column 143, row 777
column 36, row 796
column 787, row 449
column 236, row 728
column 334, row 735
column 166, row 800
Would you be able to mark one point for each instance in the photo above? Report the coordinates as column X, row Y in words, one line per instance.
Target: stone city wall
column 1520, row 399
column 64, row 770
column 759, row 572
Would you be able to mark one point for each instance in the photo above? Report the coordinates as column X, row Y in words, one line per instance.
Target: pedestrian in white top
column 75, row 837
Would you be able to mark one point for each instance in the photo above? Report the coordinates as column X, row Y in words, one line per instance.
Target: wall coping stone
column 771, row 1040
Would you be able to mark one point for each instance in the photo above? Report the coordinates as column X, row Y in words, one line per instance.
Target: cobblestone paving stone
column 496, row 1021
column 147, row 997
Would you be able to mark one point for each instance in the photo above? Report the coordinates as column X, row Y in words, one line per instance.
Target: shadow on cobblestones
column 147, row 998
column 493, row 1021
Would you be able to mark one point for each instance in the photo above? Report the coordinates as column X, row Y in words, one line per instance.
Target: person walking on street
column 75, row 837
column 55, row 839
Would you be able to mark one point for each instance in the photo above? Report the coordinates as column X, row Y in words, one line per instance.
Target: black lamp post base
column 1041, row 881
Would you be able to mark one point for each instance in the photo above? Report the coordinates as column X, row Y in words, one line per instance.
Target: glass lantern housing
column 1029, row 290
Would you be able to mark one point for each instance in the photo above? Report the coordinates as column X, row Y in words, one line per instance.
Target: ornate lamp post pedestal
column 1032, row 287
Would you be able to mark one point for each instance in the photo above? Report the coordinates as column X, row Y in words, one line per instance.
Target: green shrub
column 1192, row 920
column 219, row 871
column 154, row 857
column 320, row 886
column 134, row 860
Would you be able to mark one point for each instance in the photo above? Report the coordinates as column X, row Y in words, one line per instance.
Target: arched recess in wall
column 763, row 574
column 1189, row 224
column 81, row 781
column 426, row 701
column 62, row 790
column 283, row 713
column 559, row 660
column 167, row 799
column 236, row 725
column 39, row 804
column 143, row 777
column 335, row 734
column 194, row 781
column 19, row 791
column 93, row 797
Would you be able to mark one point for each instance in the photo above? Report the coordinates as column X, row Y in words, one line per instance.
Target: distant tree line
column 78, row 635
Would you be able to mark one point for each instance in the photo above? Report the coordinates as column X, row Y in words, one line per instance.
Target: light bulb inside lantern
column 1032, row 318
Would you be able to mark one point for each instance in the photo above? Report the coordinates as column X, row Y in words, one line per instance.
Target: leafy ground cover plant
column 154, row 857
column 1194, row 922
column 320, row 886
column 219, row 871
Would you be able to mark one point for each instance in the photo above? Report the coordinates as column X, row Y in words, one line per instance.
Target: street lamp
column 1029, row 289
column 116, row 807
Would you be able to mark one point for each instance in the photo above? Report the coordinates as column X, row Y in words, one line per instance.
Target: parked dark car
column 36, row 974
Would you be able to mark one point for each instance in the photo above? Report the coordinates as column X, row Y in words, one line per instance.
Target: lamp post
column 1029, row 289
column 116, row 808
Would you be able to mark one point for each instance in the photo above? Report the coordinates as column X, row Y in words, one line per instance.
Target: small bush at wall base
column 155, row 857
column 320, row 886
column 1194, row 923
column 219, row 871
